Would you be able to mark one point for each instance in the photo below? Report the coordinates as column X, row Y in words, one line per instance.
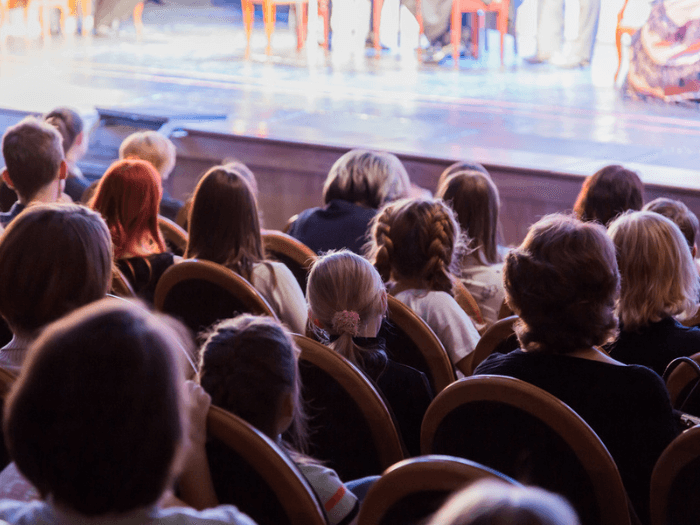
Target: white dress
column 485, row 283
column 277, row 284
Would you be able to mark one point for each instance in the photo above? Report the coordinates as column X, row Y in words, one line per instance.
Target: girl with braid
column 347, row 302
column 416, row 245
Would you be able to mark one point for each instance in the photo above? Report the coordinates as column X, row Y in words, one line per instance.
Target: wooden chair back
column 675, row 482
column 175, row 237
column 121, row 287
column 413, row 489
column 466, row 302
column 7, row 378
column 530, row 435
column 294, row 254
column 256, row 476
column 352, row 430
column 410, row 341
column 680, row 381
column 200, row 293
column 496, row 336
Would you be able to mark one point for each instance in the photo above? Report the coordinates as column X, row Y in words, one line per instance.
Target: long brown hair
column 223, row 224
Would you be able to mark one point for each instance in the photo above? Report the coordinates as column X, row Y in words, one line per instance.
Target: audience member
column 70, row 125
column 34, row 165
column 224, row 228
column 474, row 198
column 680, row 215
column 357, row 185
column 159, row 150
column 563, row 282
column 127, row 196
column 416, row 246
column 54, row 258
column 659, row 280
column 609, row 192
column 249, row 366
column 458, row 167
column 347, row 301
column 497, row 503
column 101, row 423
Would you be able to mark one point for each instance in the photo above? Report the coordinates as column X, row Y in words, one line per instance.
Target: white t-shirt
column 485, row 283
column 336, row 498
column 284, row 296
column 43, row 513
column 443, row 315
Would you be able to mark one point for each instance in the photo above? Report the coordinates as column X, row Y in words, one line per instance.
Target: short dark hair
column 609, row 192
column 54, row 258
column 94, row 419
column 679, row 214
column 33, row 152
column 68, row 123
column 563, row 282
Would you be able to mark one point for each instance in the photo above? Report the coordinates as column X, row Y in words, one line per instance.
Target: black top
column 6, row 217
column 656, row 344
column 143, row 273
column 627, row 406
column 169, row 207
column 339, row 224
column 75, row 186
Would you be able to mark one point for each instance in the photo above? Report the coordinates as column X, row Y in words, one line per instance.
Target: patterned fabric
column 665, row 54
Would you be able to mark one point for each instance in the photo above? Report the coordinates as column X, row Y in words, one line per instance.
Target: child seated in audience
column 347, row 302
column 70, row 125
column 53, row 258
column 128, row 196
column 160, row 151
column 497, row 503
column 607, row 193
column 563, row 283
column 249, row 367
column 101, row 422
column 659, row 280
column 474, row 198
column 416, row 246
column 224, row 228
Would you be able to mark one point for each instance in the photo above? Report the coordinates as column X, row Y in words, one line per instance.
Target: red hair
column 128, row 197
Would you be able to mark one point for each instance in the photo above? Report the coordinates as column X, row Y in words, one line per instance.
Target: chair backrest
column 294, row 254
column 7, row 378
column 466, row 302
column 675, row 482
column 352, row 430
column 680, row 381
column 175, row 237
column 413, row 489
column 410, row 341
column 200, row 293
column 492, row 339
column 121, row 287
column 530, row 435
column 252, row 472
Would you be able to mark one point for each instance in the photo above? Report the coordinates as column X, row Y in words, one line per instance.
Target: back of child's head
column 609, row 192
column 68, row 123
column 128, row 197
column 678, row 213
column 496, row 503
column 248, row 365
column 417, row 240
column 95, row 418
column 474, row 198
column 345, row 293
column 54, row 258
column 151, row 146
column 458, row 167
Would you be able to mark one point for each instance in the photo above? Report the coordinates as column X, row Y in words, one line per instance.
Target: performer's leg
column 550, row 27
column 582, row 48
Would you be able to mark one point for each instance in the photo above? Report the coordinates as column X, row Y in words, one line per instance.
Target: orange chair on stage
column 500, row 7
column 269, row 8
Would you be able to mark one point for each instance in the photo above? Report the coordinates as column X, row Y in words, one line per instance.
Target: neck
column 402, row 285
column 593, row 353
column 45, row 195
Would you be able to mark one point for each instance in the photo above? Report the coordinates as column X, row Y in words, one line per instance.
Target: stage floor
column 190, row 65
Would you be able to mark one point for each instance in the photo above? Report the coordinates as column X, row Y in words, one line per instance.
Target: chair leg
column 376, row 24
column 269, row 19
column 618, row 43
column 323, row 11
column 503, row 29
column 456, row 31
column 138, row 18
column 301, row 24
column 247, row 6
column 475, row 35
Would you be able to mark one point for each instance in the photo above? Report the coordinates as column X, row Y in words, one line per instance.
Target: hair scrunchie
column 346, row 322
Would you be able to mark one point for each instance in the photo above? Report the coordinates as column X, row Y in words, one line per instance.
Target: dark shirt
column 627, row 406
column 75, row 186
column 339, row 224
column 143, row 273
column 656, row 344
column 169, row 207
column 6, row 217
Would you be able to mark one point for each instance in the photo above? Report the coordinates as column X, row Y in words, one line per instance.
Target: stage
column 292, row 113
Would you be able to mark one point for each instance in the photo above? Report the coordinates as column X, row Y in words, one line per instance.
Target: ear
column 79, row 139
column 6, row 178
column 314, row 320
column 694, row 251
column 63, row 170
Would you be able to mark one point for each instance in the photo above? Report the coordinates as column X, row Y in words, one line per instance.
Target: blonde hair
column 417, row 239
column 152, row 147
column 344, row 293
column 369, row 178
column 659, row 278
column 497, row 503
